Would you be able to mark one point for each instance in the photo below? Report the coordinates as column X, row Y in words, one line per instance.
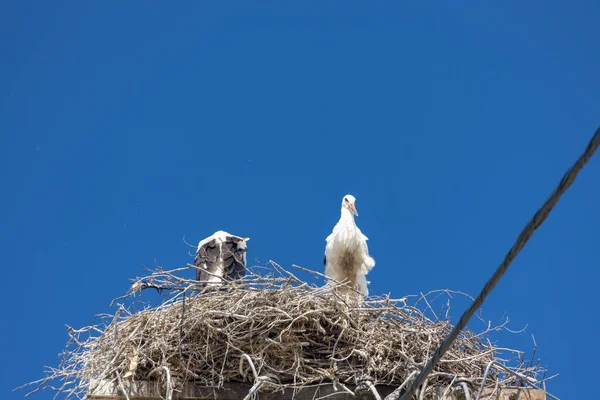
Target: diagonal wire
column 524, row 236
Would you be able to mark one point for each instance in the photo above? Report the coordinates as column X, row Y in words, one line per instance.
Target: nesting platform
column 303, row 340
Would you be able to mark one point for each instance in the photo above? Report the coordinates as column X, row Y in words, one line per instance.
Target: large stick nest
column 278, row 328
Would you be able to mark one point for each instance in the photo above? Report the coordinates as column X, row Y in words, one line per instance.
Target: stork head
column 349, row 203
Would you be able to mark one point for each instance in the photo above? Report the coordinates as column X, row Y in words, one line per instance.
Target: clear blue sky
column 126, row 126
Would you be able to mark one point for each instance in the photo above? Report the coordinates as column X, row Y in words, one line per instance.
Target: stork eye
column 346, row 199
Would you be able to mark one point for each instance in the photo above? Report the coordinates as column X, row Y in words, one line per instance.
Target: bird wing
column 234, row 257
column 368, row 263
column 206, row 257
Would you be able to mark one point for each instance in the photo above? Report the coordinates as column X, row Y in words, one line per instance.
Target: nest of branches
column 277, row 328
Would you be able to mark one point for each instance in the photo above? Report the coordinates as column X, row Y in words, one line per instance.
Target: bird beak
column 352, row 208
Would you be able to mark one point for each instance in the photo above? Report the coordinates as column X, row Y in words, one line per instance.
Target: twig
column 373, row 390
column 122, row 386
column 396, row 393
column 253, row 389
column 247, row 357
column 169, row 392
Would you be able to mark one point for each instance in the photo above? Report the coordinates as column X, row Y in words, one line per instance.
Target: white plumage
column 221, row 256
column 346, row 253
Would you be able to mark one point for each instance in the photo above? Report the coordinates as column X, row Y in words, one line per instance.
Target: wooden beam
column 150, row 390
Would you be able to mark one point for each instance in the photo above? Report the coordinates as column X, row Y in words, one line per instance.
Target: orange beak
column 352, row 208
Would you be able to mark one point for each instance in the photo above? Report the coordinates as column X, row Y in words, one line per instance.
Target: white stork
column 347, row 257
column 221, row 256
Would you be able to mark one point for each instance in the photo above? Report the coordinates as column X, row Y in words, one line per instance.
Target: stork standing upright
column 347, row 257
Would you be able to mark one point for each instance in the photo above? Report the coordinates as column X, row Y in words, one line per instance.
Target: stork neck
column 347, row 215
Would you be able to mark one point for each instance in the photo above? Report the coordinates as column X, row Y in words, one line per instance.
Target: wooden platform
column 144, row 390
